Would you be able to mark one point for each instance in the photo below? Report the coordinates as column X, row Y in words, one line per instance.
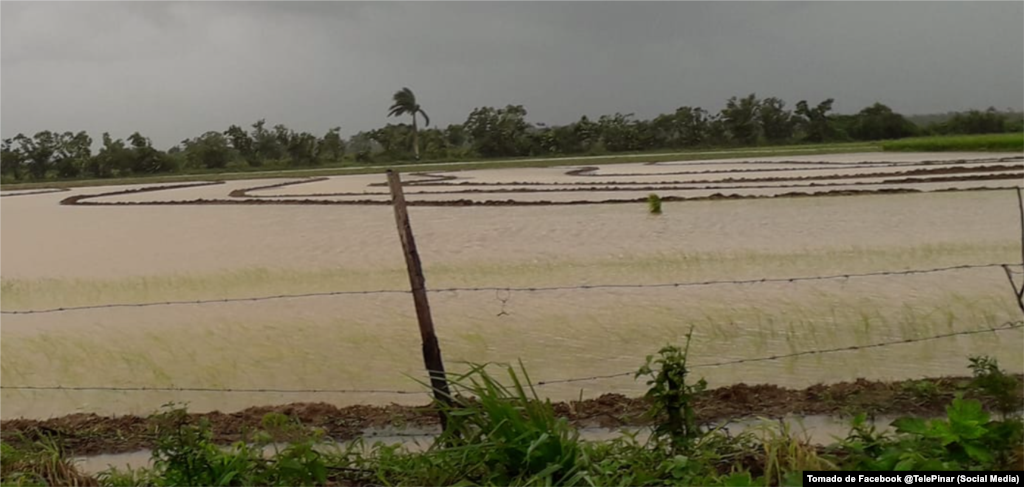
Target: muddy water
column 819, row 430
column 56, row 256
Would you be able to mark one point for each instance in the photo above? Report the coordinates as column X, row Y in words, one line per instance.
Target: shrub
column 672, row 396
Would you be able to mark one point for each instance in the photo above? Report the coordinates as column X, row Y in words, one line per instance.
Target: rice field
column 981, row 142
column 506, row 228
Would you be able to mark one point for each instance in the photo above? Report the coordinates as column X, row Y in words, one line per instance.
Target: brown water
column 56, row 256
column 818, row 430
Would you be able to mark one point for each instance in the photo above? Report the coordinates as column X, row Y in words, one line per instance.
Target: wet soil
column 90, row 434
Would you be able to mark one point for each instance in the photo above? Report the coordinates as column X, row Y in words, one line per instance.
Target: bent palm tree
column 405, row 102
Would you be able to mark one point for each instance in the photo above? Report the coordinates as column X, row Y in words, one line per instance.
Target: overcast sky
column 176, row 70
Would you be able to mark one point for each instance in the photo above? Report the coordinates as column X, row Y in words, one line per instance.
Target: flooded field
column 166, row 246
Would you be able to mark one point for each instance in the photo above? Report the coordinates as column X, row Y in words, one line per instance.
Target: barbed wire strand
column 514, row 289
column 1010, row 325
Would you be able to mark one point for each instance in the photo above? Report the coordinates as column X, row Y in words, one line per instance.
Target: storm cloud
column 173, row 70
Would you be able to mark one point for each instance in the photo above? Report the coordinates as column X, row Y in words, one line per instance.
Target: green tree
column 210, row 151
column 301, row 148
column 588, row 135
column 718, row 131
column 405, row 104
column 498, row 132
column 692, row 126
column 145, row 158
column 114, row 158
column 12, row 160
column 619, row 133
column 990, row 121
column 266, row 143
column 39, row 152
column 815, row 123
column 776, row 122
column 362, row 145
column 242, row 143
column 455, row 135
column 331, row 147
column 74, row 151
column 740, row 117
column 879, row 122
column 393, row 139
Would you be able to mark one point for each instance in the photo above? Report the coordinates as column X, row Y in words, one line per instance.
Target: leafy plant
column 991, row 380
column 672, row 396
column 185, row 454
column 966, row 439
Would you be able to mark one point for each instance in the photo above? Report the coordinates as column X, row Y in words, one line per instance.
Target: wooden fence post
column 431, row 350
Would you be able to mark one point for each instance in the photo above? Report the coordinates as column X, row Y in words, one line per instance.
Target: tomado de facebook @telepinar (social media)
column 912, row 478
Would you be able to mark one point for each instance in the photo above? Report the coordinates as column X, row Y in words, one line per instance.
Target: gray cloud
column 176, row 69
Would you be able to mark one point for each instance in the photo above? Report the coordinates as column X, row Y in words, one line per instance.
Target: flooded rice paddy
column 165, row 245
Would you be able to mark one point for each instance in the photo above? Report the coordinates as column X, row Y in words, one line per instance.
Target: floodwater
column 817, row 430
column 60, row 256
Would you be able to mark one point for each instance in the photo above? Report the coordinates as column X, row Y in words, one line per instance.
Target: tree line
column 488, row 132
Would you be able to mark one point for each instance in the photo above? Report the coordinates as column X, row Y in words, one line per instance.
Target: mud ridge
column 243, row 192
column 667, row 186
column 76, row 200
column 506, row 203
column 33, row 192
column 754, row 160
column 87, row 434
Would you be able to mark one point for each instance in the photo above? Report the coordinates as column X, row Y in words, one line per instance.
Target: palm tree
column 405, row 102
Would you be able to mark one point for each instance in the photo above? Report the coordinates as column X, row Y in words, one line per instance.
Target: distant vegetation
column 488, row 132
column 984, row 142
column 970, row 122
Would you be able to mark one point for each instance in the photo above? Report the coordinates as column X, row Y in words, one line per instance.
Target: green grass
column 985, row 142
column 351, row 168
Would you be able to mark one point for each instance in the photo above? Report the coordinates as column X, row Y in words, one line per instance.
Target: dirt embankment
column 86, row 434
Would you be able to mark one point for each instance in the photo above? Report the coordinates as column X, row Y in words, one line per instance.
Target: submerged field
column 508, row 228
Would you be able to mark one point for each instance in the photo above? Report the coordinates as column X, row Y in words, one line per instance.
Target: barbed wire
column 202, row 301
column 1005, row 326
column 516, row 289
column 1010, row 325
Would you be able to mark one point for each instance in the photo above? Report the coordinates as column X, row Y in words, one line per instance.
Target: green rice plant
column 654, row 204
column 1013, row 142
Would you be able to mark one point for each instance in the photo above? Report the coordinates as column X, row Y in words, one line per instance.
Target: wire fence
column 1007, row 326
column 582, row 287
